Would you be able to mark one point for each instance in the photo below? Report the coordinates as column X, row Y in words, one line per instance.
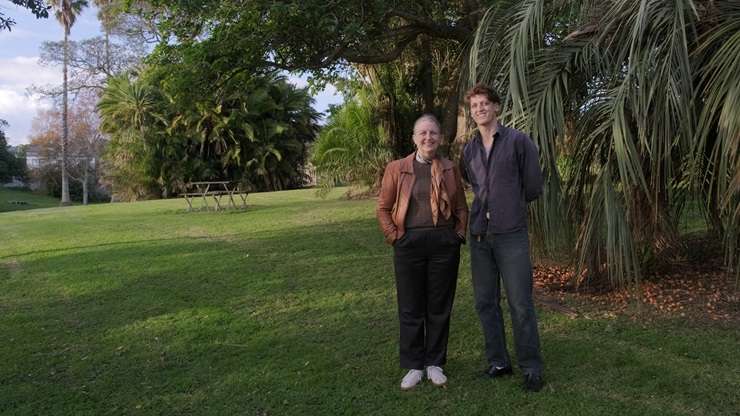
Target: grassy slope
column 287, row 309
column 32, row 200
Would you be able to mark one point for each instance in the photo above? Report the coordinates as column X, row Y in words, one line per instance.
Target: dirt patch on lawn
column 699, row 290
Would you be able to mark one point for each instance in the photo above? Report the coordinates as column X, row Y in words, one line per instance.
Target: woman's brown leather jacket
column 395, row 192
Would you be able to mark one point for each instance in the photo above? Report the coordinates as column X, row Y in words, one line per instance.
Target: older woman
column 423, row 214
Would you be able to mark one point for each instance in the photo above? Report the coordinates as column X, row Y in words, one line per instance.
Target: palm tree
column 633, row 106
column 126, row 105
column 66, row 12
column 127, row 112
column 107, row 18
column 352, row 147
column 282, row 123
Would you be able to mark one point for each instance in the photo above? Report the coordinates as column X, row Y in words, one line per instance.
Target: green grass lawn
column 15, row 200
column 289, row 309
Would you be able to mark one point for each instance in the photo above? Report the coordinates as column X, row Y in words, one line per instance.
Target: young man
column 501, row 164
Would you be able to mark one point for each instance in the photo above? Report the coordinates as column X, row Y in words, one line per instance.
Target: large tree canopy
column 319, row 35
column 633, row 104
column 326, row 38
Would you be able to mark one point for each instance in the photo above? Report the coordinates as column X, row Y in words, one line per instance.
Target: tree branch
column 406, row 35
column 432, row 28
column 393, row 54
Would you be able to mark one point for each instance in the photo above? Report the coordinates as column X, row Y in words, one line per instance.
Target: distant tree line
column 171, row 125
column 11, row 165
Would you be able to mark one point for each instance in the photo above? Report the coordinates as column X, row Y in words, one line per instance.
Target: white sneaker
column 411, row 379
column 436, row 375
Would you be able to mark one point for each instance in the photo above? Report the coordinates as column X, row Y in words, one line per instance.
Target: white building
column 37, row 157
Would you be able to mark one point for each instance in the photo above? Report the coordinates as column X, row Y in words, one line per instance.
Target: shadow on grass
column 209, row 218
column 300, row 322
column 150, row 299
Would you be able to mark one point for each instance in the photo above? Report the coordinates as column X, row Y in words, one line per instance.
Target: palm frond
column 716, row 151
column 605, row 240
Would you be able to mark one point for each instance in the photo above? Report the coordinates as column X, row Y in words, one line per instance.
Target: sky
column 19, row 68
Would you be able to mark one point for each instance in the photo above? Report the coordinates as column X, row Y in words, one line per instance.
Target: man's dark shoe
column 494, row 371
column 533, row 382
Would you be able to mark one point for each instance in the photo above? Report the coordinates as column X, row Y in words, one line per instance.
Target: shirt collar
column 500, row 129
column 420, row 159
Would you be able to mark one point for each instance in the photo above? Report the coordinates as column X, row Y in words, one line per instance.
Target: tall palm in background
column 633, row 104
column 106, row 16
column 66, row 12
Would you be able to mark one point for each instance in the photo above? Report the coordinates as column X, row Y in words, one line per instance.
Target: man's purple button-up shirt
column 503, row 183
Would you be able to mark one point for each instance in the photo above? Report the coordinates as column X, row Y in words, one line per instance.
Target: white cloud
column 18, row 107
column 19, row 67
column 11, row 101
column 25, row 70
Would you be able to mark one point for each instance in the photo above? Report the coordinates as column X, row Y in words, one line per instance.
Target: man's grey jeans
column 505, row 257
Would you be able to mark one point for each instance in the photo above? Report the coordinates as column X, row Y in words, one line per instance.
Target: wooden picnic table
column 216, row 190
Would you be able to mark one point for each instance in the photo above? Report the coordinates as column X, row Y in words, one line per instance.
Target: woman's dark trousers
column 426, row 261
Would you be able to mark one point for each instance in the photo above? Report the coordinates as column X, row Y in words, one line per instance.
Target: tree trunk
column 268, row 182
column 108, row 69
column 85, row 179
column 65, row 126
column 389, row 121
column 653, row 226
column 427, row 76
column 451, row 114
